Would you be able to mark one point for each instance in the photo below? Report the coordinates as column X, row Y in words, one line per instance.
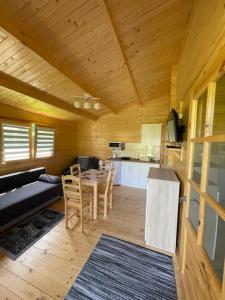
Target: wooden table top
column 93, row 175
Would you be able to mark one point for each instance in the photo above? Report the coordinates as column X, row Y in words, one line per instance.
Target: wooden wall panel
column 64, row 149
column 204, row 44
column 203, row 52
column 93, row 137
column 196, row 276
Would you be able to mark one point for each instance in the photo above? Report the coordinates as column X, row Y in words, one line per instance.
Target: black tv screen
column 173, row 127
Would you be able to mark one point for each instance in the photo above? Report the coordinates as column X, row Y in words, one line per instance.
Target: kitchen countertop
column 162, row 174
column 134, row 160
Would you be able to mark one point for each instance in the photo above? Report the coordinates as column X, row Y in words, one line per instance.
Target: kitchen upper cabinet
column 151, row 134
column 157, row 135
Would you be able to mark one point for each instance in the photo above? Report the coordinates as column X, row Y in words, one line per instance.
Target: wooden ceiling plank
column 16, row 34
column 60, row 21
column 28, row 90
column 107, row 15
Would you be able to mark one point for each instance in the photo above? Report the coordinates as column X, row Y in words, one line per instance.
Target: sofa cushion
column 49, row 178
column 23, row 199
column 33, row 175
column 11, row 181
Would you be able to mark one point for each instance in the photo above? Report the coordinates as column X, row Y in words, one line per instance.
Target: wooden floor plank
column 36, row 279
column 20, row 287
column 50, row 260
column 6, row 294
column 49, row 267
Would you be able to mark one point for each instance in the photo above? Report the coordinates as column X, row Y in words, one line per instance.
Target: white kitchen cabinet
column 129, row 174
column 117, row 167
column 151, row 135
column 143, row 174
column 157, row 135
column 135, row 174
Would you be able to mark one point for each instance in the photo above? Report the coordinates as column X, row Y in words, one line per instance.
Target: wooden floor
column 48, row 269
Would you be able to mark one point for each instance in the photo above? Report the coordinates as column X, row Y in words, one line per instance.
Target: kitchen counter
column 133, row 172
column 134, row 160
column 162, row 174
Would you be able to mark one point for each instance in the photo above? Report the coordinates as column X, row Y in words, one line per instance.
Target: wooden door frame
column 206, row 140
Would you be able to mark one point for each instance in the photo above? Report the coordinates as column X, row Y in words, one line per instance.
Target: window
column 201, row 114
column 44, row 144
column 197, row 163
column 206, row 173
column 216, row 173
column 194, row 208
column 219, row 109
column 213, row 240
column 15, row 142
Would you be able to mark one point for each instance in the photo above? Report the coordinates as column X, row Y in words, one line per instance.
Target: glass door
column 205, row 211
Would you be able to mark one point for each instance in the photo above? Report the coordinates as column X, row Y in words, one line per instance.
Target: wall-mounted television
column 175, row 130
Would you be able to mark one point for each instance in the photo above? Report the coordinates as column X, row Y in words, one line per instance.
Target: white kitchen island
column 162, row 209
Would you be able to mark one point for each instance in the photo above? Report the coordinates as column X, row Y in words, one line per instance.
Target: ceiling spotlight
column 77, row 103
column 87, row 102
column 97, row 105
column 87, row 105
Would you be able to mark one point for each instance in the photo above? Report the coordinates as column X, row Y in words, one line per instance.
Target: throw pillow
column 49, row 178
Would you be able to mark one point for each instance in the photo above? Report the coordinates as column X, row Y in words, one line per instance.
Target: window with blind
column 15, row 142
column 44, row 142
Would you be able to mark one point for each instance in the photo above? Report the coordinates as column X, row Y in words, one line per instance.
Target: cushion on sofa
column 33, row 174
column 23, row 199
column 15, row 180
column 49, row 178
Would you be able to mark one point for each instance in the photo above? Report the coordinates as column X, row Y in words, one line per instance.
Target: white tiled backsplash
column 139, row 151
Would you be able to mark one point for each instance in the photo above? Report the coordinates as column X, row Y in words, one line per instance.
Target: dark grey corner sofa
column 22, row 194
column 85, row 162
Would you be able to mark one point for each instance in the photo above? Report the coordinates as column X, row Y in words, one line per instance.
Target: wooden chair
column 75, row 170
column 113, row 175
column 105, row 165
column 104, row 193
column 75, row 199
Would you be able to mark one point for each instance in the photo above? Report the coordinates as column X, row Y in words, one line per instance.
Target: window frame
column 14, row 123
column 201, row 189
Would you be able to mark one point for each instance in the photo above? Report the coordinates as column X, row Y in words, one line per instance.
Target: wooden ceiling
column 119, row 50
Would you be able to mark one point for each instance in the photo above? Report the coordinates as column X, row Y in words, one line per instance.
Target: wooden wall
column 93, row 137
column 64, row 148
column 203, row 53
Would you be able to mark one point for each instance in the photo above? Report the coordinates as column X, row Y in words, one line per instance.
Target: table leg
column 95, row 201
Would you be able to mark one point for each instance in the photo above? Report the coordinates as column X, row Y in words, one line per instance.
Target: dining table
column 94, row 179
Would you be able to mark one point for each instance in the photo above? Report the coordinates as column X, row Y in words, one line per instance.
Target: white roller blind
column 45, row 140
column 16, row 142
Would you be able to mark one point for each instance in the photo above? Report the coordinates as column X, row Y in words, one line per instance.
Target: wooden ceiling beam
column 118, row 44
column 19, row 36
column 21, row 87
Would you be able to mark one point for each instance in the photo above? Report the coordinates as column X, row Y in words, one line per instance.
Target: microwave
column 116, row 145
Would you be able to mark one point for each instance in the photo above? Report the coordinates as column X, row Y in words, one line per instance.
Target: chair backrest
column 107, row 182
column 72, row 189
column 113, row 175
column 105, row 165
column 75, row 170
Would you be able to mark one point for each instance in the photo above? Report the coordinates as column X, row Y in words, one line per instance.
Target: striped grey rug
column 120, row 270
